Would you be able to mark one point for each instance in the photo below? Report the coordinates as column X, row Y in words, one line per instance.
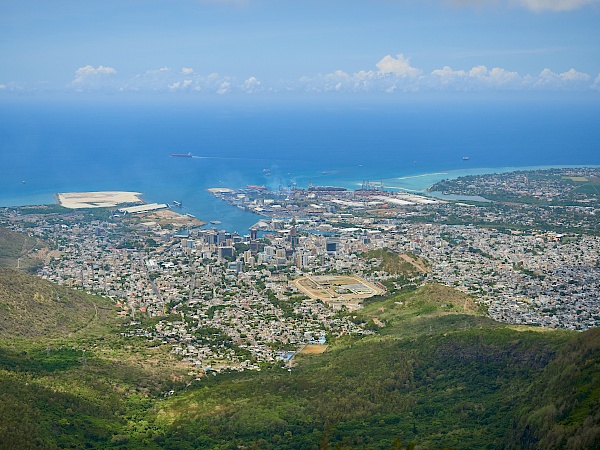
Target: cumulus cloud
column 573, row 75
column 224, row 88
column 447, row 74
column 571, row 79
column 399, row 66
column 251, row 85
column 397, row 75
column 87, row 72
column 495, row 76
column 393, row 75
column 180, row 85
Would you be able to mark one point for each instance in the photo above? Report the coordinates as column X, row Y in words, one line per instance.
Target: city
column 226, row 301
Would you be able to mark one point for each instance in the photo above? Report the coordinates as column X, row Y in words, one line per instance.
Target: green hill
column 436, row 374
column 20, row 250
column 32, row 307
column 68, row 379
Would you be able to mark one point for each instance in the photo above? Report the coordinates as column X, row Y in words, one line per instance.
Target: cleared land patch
column 104, row 199
column 314, row 349
column 576, row 179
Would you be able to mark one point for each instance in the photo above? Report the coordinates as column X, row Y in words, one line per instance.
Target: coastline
column 235, row 220
column 422, row 182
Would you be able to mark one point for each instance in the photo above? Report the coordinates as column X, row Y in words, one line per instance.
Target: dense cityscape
column 226, row 301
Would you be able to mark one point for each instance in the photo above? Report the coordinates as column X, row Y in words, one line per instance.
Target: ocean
column 48, row 147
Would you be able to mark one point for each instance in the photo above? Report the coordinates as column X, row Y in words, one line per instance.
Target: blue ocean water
column 49, row 147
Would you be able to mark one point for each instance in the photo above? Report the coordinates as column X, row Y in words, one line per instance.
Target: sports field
column 337, row 288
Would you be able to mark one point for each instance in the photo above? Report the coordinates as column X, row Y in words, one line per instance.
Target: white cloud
column 85, row 73
column 399, row 66
column 573, row 75
column 555, row 5
column 337, row 74
column 478, row 72
column 494, row 78
column 501, row 76
column 2, row 86
column 224, row 88
column 567, row 80
column 180, row 85
column 446, row 72
column 397, row 75
column 447, row 77
column 533, row 5
column 391, row 74
column 251, row 85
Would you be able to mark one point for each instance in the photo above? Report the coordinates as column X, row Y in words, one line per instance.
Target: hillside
column 436, row 374
column 407, row 265
column 20, row 250
column 33, row 308
column 68, row 379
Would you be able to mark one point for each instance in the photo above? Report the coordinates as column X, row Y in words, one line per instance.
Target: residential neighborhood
column 228, row 301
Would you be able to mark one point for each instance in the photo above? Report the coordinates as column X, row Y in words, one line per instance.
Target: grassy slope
column 15, row 245
column 32, row 307
column 406, row 265
column 437, row 374
column 50, row 397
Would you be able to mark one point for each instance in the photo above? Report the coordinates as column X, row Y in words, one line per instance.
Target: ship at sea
column 465, row 158
column 182, row 155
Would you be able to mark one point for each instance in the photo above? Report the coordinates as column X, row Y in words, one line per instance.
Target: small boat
column 215, row 222
column 465, row 158
column 181, row 155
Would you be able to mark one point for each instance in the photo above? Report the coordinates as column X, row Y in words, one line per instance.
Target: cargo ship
column 181, row 155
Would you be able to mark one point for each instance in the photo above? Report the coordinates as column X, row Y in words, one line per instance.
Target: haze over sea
column 68, row 146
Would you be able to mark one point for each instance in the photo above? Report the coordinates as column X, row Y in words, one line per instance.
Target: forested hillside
column 435, row 374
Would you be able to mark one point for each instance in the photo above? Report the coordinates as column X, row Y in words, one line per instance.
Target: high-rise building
column 331, row 245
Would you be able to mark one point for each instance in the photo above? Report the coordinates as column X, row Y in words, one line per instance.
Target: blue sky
column 303, row 46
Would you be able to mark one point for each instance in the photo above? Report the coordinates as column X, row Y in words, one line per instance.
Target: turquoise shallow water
column 49, row 148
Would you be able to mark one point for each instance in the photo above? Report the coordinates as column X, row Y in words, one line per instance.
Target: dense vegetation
column 437, row 374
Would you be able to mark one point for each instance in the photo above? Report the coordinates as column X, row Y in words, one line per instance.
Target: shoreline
column 416, row 183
